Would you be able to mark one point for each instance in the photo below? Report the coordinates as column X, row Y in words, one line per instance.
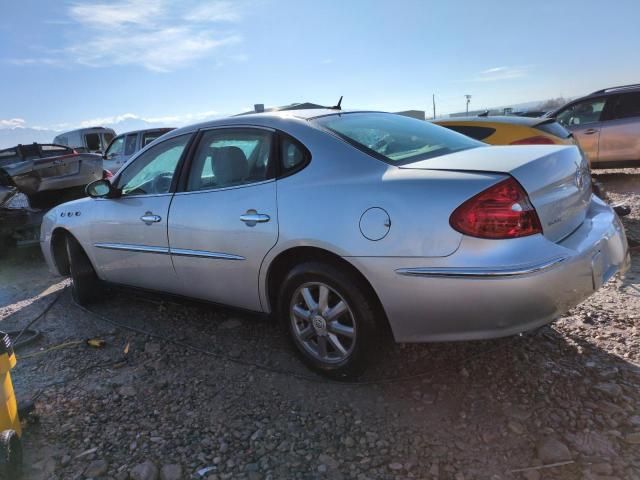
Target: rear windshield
column 394, row 138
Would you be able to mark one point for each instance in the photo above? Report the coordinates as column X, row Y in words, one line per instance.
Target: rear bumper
column 489, row 289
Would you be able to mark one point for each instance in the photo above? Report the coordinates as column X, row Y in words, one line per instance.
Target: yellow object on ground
column 9, row 419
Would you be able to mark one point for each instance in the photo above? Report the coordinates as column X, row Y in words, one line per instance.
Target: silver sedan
column 349, row 228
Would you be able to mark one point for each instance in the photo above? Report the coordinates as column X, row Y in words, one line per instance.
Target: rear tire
column 331, row 319
column 10, row 455
column 86, row 286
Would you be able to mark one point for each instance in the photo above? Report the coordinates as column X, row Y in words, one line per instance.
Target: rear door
column 584, row 120
column 225, row 221
column 620, row 133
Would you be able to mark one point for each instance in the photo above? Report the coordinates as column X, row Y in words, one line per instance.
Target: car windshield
column 394, row 138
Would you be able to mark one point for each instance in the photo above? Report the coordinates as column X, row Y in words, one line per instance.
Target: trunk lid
column 556, row 178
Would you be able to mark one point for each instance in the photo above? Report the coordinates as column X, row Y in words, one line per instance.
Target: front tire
column 86, row 286
column 330, row 318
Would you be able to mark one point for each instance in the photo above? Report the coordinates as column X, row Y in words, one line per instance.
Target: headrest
column 229, row 165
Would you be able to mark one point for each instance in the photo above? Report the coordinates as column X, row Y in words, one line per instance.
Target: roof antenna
column 339, row 105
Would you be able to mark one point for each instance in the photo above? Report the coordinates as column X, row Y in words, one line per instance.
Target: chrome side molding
column 179, row 252
column 184, row 252
column 493, row 272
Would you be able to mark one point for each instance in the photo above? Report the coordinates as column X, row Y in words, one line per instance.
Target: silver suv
column 606, row 125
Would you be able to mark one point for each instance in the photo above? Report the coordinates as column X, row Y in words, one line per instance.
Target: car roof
column 265, row 119
column 509, row 119
column 87, row 130
column 146, row 130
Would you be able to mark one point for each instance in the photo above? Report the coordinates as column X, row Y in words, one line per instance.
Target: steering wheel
column 162, row 182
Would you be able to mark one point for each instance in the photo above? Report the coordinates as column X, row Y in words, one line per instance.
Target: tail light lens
column 537, row 140
column 106, row 174
column 501, row 211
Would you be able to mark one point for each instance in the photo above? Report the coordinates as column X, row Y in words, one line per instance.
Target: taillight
column 537, row 140
column 501, row 211
column 106, row 174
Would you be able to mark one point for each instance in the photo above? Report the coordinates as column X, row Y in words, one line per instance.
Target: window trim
column 182, row 182
column 179, row 166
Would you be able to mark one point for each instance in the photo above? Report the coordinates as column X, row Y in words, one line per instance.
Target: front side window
column 582, row 113
column 116, row 147
column 130, row 144
column 627, row 106
column 393, row 138
column 92, row 141
column 230, row 157
column 152, row 172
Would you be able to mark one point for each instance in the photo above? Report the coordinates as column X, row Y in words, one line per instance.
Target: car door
column 113, row 156
column 583, row 119
column 620, row 133
column 225, row 220
column 129, row 237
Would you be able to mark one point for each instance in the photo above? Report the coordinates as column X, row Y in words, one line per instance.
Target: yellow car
column 510, row 130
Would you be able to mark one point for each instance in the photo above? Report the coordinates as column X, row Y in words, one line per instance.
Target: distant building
column 419, row 114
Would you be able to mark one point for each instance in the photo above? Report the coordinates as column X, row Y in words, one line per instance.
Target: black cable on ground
column 279, row 371
column 34, row 333
column 31, row 336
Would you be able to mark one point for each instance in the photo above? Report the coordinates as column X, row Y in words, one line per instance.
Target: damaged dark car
column 33, row 179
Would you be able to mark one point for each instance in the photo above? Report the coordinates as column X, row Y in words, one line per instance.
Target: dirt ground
column 209, row 388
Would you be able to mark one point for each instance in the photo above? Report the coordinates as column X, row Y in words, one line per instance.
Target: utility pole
column 433, row 98
column 468, row 97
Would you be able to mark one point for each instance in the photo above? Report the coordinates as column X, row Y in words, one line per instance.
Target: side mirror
column 102, row 189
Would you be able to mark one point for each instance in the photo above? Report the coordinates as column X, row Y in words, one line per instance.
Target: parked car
column 125, row 145
column 91, row 140
column 34, row 178
column 510, row 130
column 606, row 124
column 349, row 227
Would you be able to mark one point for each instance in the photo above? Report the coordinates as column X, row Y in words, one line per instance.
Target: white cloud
column 181, row 119
column 12, row 123
column 214, row 12
column 160, row 36
column 502, row 73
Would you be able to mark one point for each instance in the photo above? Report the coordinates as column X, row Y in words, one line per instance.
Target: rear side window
column 293, row 156
column 92, row 141
column 230, row 157
column 627, row 105
column 395, row 139
column 130, row 144
column 477, row 133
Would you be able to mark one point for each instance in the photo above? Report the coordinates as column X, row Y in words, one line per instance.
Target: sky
column 67, row 64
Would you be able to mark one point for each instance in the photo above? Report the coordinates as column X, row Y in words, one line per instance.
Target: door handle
column 252, row 217
column 150, row 218
column 590, row 131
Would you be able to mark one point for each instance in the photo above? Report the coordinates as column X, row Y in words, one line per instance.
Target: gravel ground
column 229, row 396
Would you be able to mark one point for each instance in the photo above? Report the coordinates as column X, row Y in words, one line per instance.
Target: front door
column 129, row 237
column 224, row 223
column 583, row 119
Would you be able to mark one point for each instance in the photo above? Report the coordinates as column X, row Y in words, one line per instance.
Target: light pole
column 468, row 97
